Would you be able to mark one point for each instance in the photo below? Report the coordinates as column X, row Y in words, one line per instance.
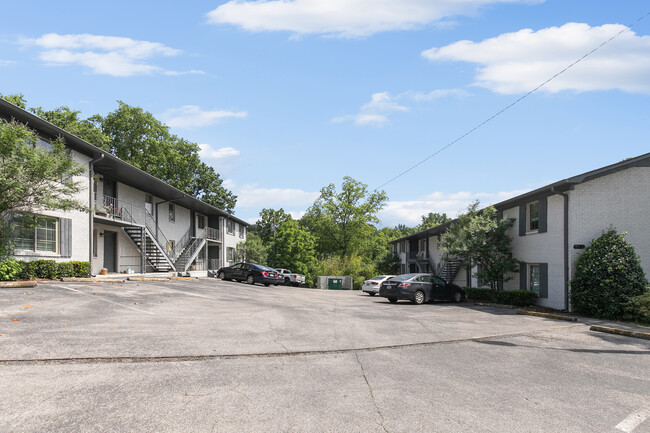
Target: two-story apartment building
column 137, row 223
column 553, row 225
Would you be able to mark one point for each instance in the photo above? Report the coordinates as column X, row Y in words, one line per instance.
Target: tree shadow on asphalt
column 603, row 351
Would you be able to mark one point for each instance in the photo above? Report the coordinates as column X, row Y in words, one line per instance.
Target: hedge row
column 47, row 269
column 638, row 309
column 519, row 298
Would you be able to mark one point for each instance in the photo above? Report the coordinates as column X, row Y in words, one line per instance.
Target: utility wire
column 513, row 103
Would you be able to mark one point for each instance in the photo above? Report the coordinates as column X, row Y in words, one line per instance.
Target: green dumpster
column 334, row 283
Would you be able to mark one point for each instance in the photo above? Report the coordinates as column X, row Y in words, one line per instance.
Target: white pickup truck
column 291, row 278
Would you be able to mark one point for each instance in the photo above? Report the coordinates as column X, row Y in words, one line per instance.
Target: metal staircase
column 190, row 252
column 155, row 257
column 448, row 269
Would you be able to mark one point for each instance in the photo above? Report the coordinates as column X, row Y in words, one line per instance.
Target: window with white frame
column 242, row 231
column 533, row 277
column 37, row 233
column 148, row 203
column 172, row 213
column 230, row 227
column 230, row 254
column 171, row 245
column 533, row 216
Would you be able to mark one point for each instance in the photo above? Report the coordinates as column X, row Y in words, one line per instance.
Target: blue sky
column 286, row 97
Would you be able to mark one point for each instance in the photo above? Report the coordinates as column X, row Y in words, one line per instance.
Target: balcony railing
column 213, row 234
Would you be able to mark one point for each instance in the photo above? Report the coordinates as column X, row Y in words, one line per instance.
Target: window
column 533, row 278
column 37, row 233
column 172, row 213
column 170, row 246
column 533, row 216
column 438, row 280
column 148, row 203
column 230, row 254
column 242, row 231
column 423, row 245
column 230, row 227
column 43, row 144
column 200, row 222
column 425, row 279
column 95, row 243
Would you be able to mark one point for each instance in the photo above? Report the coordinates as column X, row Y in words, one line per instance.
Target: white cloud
column 190, row 72
column 109, row 55
column 346, row 18
column 375, row 112
column 518, row 62
column 410, row 212
column 206, row 151
column 6, row 62
column 189, row 116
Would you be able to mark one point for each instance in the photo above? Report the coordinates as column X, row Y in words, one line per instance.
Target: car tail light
column 403, row 285
column 374, row 283
column 295, row 276
column 266, row 274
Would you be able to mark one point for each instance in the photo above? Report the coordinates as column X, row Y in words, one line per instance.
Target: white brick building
column 553, row 225
column 138, row 223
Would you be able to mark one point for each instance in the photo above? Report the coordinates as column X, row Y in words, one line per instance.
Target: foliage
column 638, row 308
column 32, row 177
column 341, row 220
column 352, row 266
column 608, row 275
column 10, row 270
column 252, row 250
column 68, row 119
column 268, row 223
column 482, row 240
column 519, row 298
column 294, row 248
column 433, row 219
column 43, row 269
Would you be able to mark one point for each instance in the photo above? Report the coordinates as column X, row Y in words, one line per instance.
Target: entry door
column 110, row 250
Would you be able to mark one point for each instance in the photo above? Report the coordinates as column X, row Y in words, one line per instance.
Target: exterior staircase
column 449, row 269
column 154, row 254
column 190, row 253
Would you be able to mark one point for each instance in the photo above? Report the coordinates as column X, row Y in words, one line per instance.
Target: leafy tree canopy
column 269, row 221
column 294, row 248
column 433, row 219
column 252, row 250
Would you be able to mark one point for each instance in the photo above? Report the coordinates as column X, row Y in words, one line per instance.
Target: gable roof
column 551, row 189
column 112, row 166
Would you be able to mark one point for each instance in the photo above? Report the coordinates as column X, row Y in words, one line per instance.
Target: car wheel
column 287, row 282
column 222, row 275
column 372, row 293
column 458, row 297
column 392, row 300
column 276, row 284
column 250, row 279
column 266, row 284
column 418, row 298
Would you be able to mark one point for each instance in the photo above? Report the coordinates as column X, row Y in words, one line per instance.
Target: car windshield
column 404, row 277
column 381, row 277
column 265, row 268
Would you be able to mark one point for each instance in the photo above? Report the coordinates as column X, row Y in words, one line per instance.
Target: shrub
column 81, row 269
column 608, row 275
column 65, row 269
column 638, row 308
column 478, row 294
column 44, row 269
column 518, row 298
column 10, row 270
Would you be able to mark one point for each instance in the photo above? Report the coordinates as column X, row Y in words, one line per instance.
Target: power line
column 521, row 98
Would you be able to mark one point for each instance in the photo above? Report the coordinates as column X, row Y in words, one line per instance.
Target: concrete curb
column 8, row 284
column 617, row 331
column 92, row 280
column 184, row 278
column 547, row 315
column 147, row 279
column 484, row 304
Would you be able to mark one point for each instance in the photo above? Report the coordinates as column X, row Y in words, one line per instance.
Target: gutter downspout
column 566, row 246
column 91, row 214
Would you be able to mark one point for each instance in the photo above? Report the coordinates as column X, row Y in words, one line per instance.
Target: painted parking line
column 191, row 294
column 634, row 420
column 106, row 300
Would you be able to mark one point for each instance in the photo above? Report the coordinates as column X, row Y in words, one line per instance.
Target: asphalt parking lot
column 208, row 355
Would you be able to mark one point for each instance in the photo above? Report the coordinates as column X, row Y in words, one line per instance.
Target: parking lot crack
column 372, row 394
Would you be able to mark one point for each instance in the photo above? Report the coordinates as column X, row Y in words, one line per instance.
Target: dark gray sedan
column 420, row 288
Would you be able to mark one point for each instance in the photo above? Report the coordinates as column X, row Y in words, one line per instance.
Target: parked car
column 420, row 288
column 372, row 285
column 251, row 273
column 291, row 278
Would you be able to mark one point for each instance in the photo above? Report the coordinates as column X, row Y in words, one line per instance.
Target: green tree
column 482, row 240
column 294, row 248
column 608, row 276
column 33, row 177
column 433, row 219
column 268, row 223
column 252, row 250
column 342, row 220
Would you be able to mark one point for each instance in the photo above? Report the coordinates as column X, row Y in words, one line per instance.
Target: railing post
column 143, row 250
